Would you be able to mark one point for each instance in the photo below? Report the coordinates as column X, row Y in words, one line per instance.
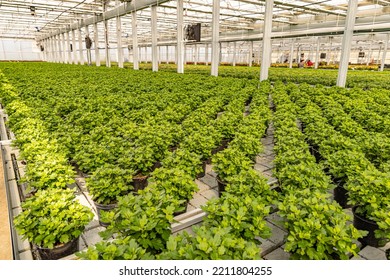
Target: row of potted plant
column 345, row 160
column 175, row 179
column 369, row 108
column 51, row 218
column 317, row 226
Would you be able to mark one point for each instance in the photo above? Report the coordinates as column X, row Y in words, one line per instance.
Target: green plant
column 175, row 182
column 230, row 162
column 184, row 160
column 244, row 215
column 117, row 249
column 318, row 228
column 145, row 217
column 209, row 244
column 52, row 217
column 369, row 191
column 109, row 182
column 249, row 182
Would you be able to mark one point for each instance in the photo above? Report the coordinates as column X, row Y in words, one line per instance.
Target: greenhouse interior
column 195, row 130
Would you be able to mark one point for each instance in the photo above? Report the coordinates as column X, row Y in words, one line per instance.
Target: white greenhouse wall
column 19, row 50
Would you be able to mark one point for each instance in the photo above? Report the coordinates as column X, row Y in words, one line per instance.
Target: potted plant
column 186, row 161
column 117, row 249
column 146, row 217
column 318, row 228
column 174, row 182
column 53, row 220
column 215, row 243
column 244, row 214
column 106, row 184
column 369, row 193
column 228, row 163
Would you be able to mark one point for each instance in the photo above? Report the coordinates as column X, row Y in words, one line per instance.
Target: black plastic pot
column 203, row 173
column 104, row 207
column 314, row 152
column 221, row 186
column 140, row 182
column 182, row 211
column 60, row 251
column 341, row 196
column 221, row 147
column 363, row 223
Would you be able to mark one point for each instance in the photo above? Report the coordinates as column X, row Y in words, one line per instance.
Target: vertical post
column 59, row 42
column 81, row 55
column 135, row 40
column 69, row 54
column 119, row 39
column 317, row 54
column 215, row 38
column 267, row 47
column 180, row 38
column 53, row 50
column 196, row 54
column 346, row 43
column 63, row 42
column 106, row 44
column 206, row 54
column 74, row 57
column 369, row 54
column 291, row 53
column 384, row 52
column 167, row 54
column 329, row 51
column 234, row 53
column 154, row 39
column 251, row 54
column 89, row 55
column 106, row 40
column 96, row 43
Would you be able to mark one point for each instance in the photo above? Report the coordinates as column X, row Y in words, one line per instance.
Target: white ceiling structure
column 240, row 20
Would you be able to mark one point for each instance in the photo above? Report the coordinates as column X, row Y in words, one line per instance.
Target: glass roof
column 33, row 19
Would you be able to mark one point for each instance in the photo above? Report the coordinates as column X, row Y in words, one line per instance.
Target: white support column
column 329, row 51
column 234, row 53
column 384, row 52
column 63, row 41
column 196, row 51
column 369, row 54
column 106, row 44
column 69, row 54
column 215, row 38
column 81, row 56
column 158, row 55
column 267, row 46
column 206, row 54
column 180, row 38
column 53, row 50
column 251, row 54
column 96, row 43
column 59, row 49
column 167, row 54
column 346, row 43
column 135, row 41
column 44, row 50
column 291, row 53
column 74, row 58
column 317, row 62
column 154, row 39
column 119, row 44
column 88, row 51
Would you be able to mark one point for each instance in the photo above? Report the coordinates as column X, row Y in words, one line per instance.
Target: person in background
column 309, row 63
column 301, row 64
